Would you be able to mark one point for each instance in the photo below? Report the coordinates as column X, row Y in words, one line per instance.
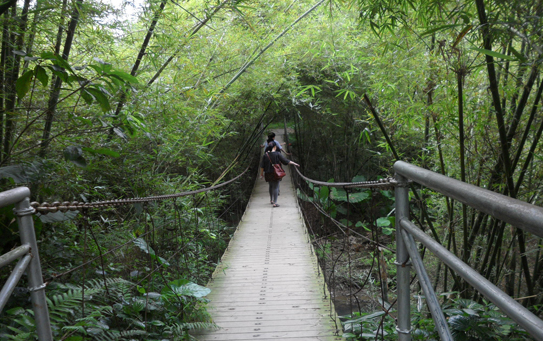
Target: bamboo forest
column 136, row 131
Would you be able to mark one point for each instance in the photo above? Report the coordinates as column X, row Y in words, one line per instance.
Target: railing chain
column 65, row 206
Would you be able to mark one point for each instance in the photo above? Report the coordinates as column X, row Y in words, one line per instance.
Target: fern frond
column 79, row 329
column 116, row 335
column 178, row 329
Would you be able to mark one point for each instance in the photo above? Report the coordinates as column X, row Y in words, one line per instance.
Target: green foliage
column 386, row 224
column 170, row 126
column 115, row 313
column 467, row 321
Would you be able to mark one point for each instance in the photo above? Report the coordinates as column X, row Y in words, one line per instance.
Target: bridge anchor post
column 403, row 327
column 24, row 212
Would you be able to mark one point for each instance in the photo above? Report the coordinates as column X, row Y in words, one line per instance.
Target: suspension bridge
column 268, row 284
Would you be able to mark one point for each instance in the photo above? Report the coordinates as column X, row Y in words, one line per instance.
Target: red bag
column 278, row 171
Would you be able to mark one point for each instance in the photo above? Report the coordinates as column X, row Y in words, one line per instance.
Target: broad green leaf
column 359, row 196
column 493, row 54
column 60, row 73
column 100, row 98
column 124, row 76
column 162, row 260
column 142, row 244
column 58, row 60
column 388, row 194
column 183, row 287
column 323, row 193
column 24, row 83
column 363, row 225
column 41, row 75
column 332, row 210
column 97, row 68
column 47, row 55
column 517, row 54
column 195, row 290
column 383, row 222
column 387, row 231
column 87, row 97
column 338, row 194
column 16, row 311
column 365, row 317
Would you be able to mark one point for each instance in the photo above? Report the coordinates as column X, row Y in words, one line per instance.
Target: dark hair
column 269, row 147
column 271, row 135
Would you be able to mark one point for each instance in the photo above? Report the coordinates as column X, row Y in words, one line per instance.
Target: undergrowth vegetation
column 104, row 100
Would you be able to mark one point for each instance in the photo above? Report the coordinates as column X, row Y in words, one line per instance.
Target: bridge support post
column 24, row 212
column 402, row 257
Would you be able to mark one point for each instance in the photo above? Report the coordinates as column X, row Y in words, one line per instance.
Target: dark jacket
column 275, row 157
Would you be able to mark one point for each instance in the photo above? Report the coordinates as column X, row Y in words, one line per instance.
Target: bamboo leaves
column 494, row 54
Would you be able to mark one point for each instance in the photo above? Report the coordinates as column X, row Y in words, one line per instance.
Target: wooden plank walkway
column 267, row 286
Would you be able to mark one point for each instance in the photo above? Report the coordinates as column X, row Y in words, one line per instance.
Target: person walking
column 271, row 138
column 270, row 158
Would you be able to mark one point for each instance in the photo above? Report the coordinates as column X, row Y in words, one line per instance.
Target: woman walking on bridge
column 270, row 158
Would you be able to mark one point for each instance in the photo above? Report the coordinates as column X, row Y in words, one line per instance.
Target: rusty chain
column 65, row 206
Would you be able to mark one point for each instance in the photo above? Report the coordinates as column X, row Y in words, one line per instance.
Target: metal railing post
column 24, row 212
column 431, row 299
column 403, row 268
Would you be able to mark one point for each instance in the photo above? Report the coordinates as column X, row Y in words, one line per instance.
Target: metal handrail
column 515, row 212
column 518, row 213
column 29, row 261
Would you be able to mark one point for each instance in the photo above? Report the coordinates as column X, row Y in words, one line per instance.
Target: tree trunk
column 143, row 49
column 12, row 73
column 55, row 91
column 487, row 42
column 3, row 75
column 32, row 33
